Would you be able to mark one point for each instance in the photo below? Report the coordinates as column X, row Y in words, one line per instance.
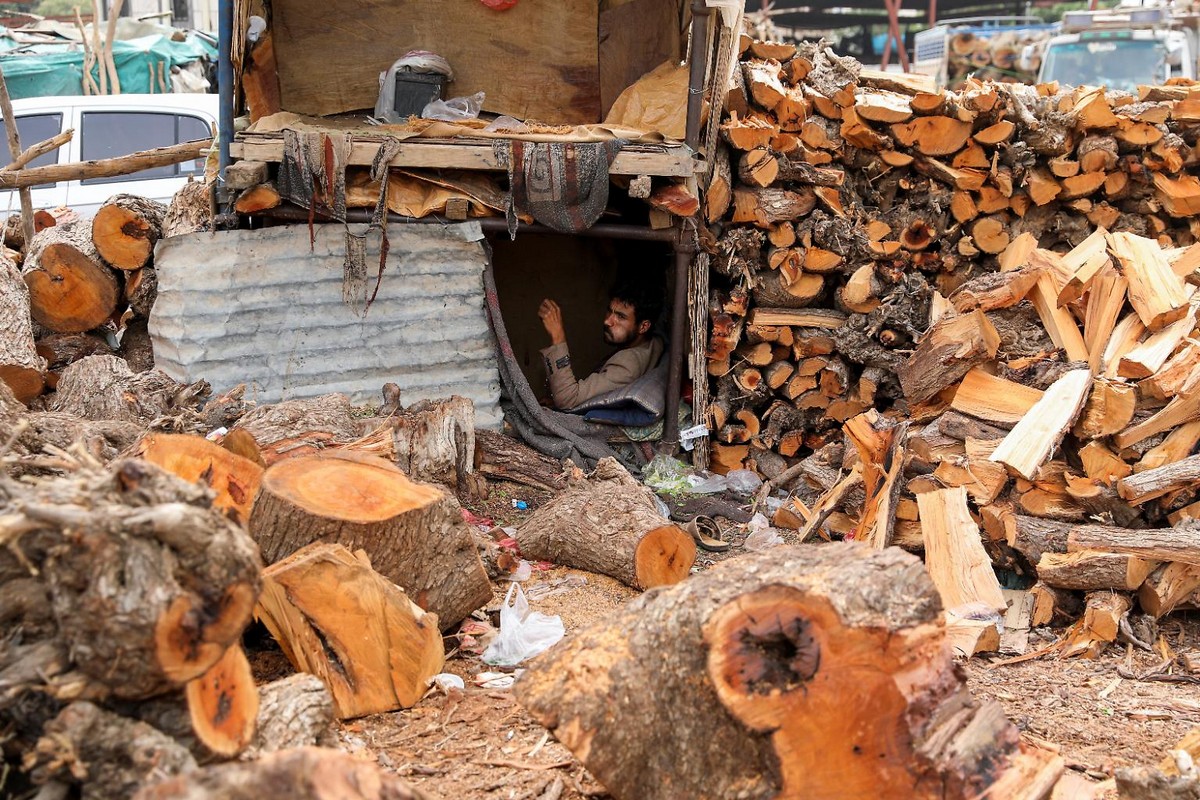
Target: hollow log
column 412, row 533
column 713, row 688
column 125, row 230
column 20, row 365
column 338, row 619
column 306, row 773
column 608, row 523
column 71, row 290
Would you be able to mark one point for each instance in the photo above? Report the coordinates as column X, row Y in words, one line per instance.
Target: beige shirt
column 625, row 367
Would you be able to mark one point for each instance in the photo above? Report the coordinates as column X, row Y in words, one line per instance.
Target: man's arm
column 568, row 392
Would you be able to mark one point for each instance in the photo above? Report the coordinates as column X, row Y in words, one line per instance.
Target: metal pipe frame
column 699, row 64
column 225, row 81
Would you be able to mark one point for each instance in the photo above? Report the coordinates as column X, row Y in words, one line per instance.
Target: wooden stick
column 39, row 149
column 89, row 58
column 110, row 33
column 14, row 150
column 98, row 45
column 105, row 167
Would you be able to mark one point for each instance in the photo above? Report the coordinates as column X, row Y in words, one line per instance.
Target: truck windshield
column 1115, row 63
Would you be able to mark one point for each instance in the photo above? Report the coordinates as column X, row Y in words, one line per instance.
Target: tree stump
column 71, row 289
column 20, row 365
column 340, row 620
column 814, row 672
column 234, row 480
column 412, row 533
column 609, row 523
column 306, row 773
column 125, row 230
column 149, row 585
column 105, row 388
column 435, row 440
column 190, row 210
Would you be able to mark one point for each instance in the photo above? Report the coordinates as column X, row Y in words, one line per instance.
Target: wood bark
column 501, row 457
column 189, row 211
column 736, row 667
column 412, row 533
column 947, row 353
column 71, row 289
column 137, row 539
column 20, row 365
column 338, row 619
column 608, row 523
column 434, row 440
column 306, row 773
column 105, row 388
column 141, row 290
column 295, row 428
column 125, row 230
column 1090, row 570
column 137, row 348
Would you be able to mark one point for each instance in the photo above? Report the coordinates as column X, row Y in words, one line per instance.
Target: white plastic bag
column 454, row 109
column 523, row 633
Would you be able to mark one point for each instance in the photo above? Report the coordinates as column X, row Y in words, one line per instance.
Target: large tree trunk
column 807, row 672
column 105, row 388
column 71, row 289
column 413, row 533
column 323, row 600
column 307, row 773
column 125, row 230
column 609, row 523
column 149, row 585
column 20, row 365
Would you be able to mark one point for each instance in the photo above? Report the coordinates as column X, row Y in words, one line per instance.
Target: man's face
column 620, row 323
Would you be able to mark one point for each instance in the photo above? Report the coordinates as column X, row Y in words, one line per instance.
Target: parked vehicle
column 1120, row 48
column 988, row 47
column 108, row 127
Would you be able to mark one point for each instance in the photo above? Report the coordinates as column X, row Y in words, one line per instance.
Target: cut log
column 1109, row 409
column 62, row 349
column 109, row 755
column 413, row 533
column 257, row 198
column 233, row 480
column 20, row 365
column 1054, row 606
column 105, row 388
column 223, row 704
column 71, row 290
column 125, row 230
column 933, row 135
column 1099, row 626
column 303, row 427
column 1156, row 293
column 141, row 290
column 1167, row 587
column 1153, row 544
column 950, row 349
column 499, row 456
column 995, row 400
column 880, row 446
column 954, row 554
column 1149, row 484
column 609, row 523
column 759, row 652
column 137, row 539
column 190, row 210
column 1091, row 570
column 338, row 619
column 434, row 440
column 1032, row 441
column 307, row 773
column 105, row 167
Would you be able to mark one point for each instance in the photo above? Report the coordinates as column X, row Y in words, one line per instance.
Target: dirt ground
column 1118, row 710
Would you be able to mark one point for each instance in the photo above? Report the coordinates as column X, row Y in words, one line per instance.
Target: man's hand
column 551, row 316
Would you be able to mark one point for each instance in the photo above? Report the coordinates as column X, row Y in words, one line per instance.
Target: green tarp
column 45, row 70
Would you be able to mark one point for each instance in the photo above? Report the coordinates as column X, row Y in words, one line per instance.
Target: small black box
column 415, row 90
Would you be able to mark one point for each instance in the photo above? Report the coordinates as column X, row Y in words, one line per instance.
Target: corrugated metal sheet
column 258, row 307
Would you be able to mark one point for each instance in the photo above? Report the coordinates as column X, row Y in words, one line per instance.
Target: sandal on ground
column 707, row 534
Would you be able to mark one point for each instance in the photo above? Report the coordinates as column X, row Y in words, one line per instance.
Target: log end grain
column 664, row 556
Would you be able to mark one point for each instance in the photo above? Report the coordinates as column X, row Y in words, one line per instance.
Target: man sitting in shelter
column 628, row 324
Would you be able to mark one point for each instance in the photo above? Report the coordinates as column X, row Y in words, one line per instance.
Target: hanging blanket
column 563, row 185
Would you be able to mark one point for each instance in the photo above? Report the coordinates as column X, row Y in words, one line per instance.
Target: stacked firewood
column 995, row 57
column 948, row 310
column 68, row 292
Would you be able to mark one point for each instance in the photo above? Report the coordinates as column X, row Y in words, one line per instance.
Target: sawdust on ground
column 480, row 744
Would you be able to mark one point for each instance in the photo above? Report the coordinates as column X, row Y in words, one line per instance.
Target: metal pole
column 699, row 64
column 224, row 84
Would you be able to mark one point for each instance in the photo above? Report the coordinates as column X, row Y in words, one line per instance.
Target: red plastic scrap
column 499, row 5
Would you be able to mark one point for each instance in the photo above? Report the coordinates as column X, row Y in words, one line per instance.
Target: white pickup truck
column 107, row 127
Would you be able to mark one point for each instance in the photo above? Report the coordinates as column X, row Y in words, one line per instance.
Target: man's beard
column 611, row 338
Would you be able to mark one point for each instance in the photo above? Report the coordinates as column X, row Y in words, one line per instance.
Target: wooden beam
column 679, row 162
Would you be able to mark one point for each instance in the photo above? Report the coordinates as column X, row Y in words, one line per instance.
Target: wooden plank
column 536, row 60
column 677, row 162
